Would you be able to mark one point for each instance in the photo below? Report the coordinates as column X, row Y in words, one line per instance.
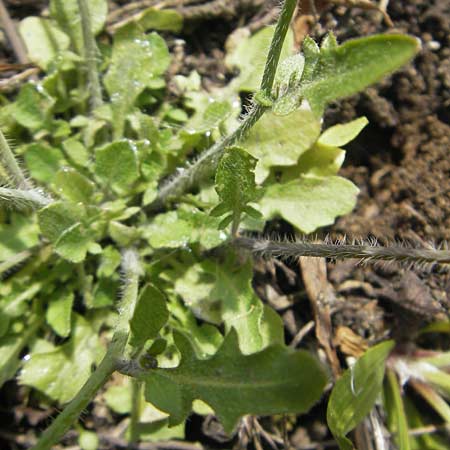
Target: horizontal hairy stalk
column 340, row 250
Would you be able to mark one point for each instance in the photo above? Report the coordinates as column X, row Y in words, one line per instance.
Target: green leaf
column 109, row 262
column 339, row 135
column 57, row 217
column 309, row 202
column 43, row 161
column 62, row 371
column 183, row 227
column 249, row 53
column 117, row 165
column 43, row 40
column 74, row 186
column 18, row 235
column 76, row 151
column 67, row 14
column 214, row 291
column 349, row 68
column 59, row 312
column 137, row 61
column 150, row 315
column 235, row 183
column 396, row 410
column 280, row 140
column 32, row 107
column 73, row 244
column 274, row 381
column 355, row 393
column 160, row 20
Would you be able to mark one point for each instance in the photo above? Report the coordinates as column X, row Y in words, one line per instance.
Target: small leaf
column 160, row 20
column 339, row 135
column 274, row 381
column 43, row 40
column 43, row 161
column 57, row 217
column 280, row 140
column 67, row 14
column 235, row 184
column 62, row 371
column 355, row 393
column 73, row 186
column 137, row 60
column 117, row 165
column 309, row 202
column 59, row 312
column 249, row 54
column 32, row 107
column 73, row 243
column 150, row 315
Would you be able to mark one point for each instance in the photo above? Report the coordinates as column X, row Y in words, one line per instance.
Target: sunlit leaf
column 354, row 394
column 275, row 380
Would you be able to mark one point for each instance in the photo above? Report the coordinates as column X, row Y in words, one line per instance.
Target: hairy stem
column 9, row 164
column 136, row 396
column 108, row 365
column 90, row 56
column 365, row 253
column 205, row 165
column 22, row 199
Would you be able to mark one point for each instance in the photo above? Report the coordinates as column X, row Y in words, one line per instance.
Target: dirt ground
column 400, row 163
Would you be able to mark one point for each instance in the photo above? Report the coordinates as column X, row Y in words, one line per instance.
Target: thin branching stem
column 90, row 56
column 364, row 253
column 109, row 364
column 205, row 165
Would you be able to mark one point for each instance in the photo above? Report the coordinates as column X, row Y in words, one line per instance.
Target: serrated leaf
column 309, row 202
column 67, row 14
column 43, row 40
column 117, row 165
column 61, row 372
column 280, row 140
column 274, row 381
column 355, row 393
column 249, row 54
column 137, row 60
column 342, row 134
column 59, row 312
column 349, row 68
column 74, row 186
column 235, row 184
column 150, row 315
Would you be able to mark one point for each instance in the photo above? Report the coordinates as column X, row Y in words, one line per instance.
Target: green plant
column 104, row 223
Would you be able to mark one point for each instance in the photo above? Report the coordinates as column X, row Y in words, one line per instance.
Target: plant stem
column 108, row 365
column 365, row 253
column 22, row 199
column 90, row 56
column 9, row 163
column 136, row 396
column 207, row 161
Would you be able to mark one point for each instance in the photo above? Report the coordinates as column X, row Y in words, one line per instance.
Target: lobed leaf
column 274, row 381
